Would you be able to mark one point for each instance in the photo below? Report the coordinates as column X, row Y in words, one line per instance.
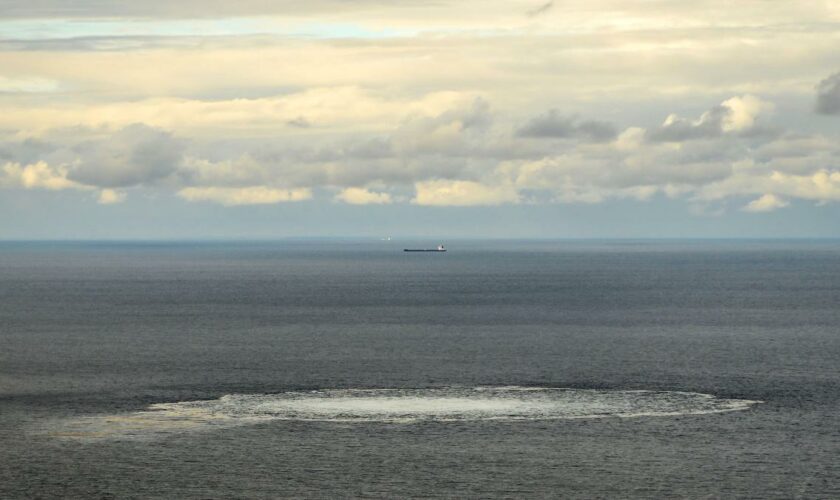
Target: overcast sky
column 500, row 118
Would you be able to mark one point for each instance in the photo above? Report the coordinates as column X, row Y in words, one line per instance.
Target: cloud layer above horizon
column 726, row 107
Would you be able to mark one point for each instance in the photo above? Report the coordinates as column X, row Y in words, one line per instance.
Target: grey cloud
column 553, row 124
column 597, row 131
column 476, row 116
column 797, row 146
column 26, row 151
column 460, row 143
column 722, row 150
column 51, row 149
column 237, row 172
column 179, row 9
column 828, row 95
column 137, row 154
column 376, row 148
column 762, row 132
column 678, row 129
column 299, row 122
column 799, row 154
column 464, row 143
column 453, row 132
column 542, row 9
column 96, row 43
column 453, row 144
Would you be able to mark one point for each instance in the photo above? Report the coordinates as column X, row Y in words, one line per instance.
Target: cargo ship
column 439, row 248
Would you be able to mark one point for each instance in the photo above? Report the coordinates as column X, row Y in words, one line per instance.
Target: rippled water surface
column 349, row 369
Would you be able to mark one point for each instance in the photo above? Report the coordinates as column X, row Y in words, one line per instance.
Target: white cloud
column 444, row 192
column 820, row 186
column 767, row 203
column 361, row 196
column 110, row 197
column 743, row 111
column 734, row 115
column 27, row 85
column 38, row 175
column 823, row 185
column 631, row 139
column 255, row 195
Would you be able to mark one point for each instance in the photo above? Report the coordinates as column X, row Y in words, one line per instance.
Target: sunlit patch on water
column 453, row 404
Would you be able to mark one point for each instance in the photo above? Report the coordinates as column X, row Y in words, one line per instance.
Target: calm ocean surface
column 164, row 370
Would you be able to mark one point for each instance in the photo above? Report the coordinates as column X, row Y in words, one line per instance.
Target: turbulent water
column 351, row 369
column 392, row 405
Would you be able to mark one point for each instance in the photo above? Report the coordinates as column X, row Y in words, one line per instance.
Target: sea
column 328, row 368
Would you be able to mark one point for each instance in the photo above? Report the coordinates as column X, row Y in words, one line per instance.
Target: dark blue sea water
column 257, row 370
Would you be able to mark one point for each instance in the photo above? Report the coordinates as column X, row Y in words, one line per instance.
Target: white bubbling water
column 452, row 404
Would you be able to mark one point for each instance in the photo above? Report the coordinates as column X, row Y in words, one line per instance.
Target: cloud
column 38, row 175
column 822, row 185
column 360, row 196
column 236, row 172
column 734, row 115
column 299, row 122
column 447, row 132
column 26, row 151
column 134, row 155
column 553, row 124
column 110, row 197
column 454, row 150
column 828, row 95
column 627, row 167
column 147, row 9
column 335, row 109
column 542, row 9
column 610, row 52
column 375, row 100
column 742, row 112
column 442, row 192
column 255, row 195
column 27, row 85
column 195, row 9
column 767, row 203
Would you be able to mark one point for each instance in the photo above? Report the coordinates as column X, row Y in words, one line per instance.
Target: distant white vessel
column 440, row 248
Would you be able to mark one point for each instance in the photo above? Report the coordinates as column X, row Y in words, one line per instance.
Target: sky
column 405, row 118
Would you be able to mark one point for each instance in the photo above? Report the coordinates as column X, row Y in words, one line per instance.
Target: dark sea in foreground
column 163, row 370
